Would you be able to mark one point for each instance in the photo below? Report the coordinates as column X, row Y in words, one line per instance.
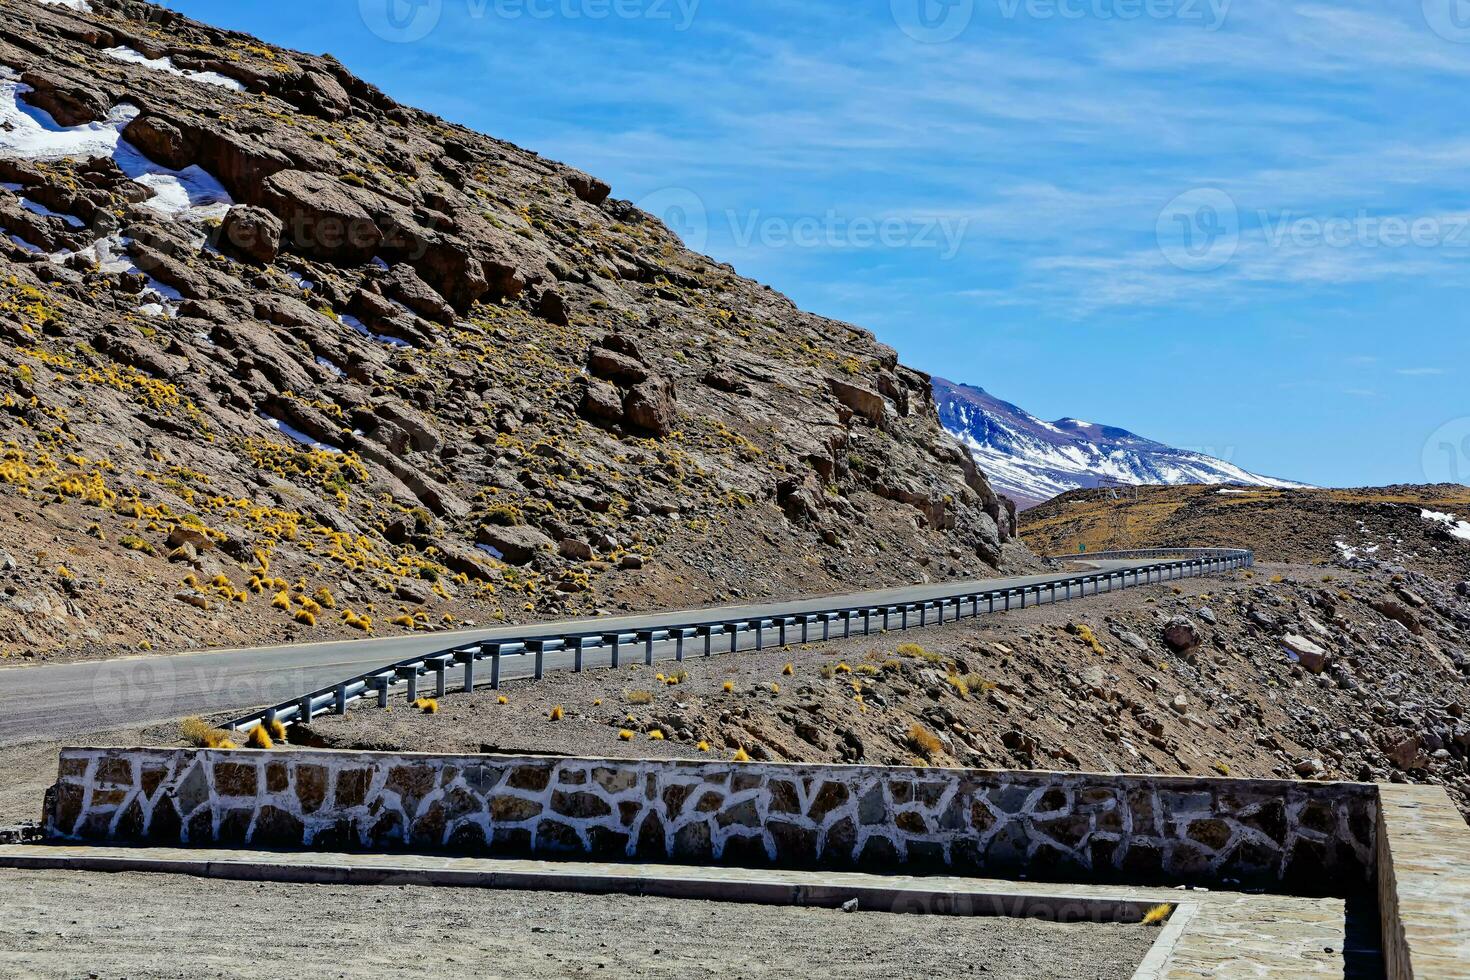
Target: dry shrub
column 260, row 738
column 923, row 741
column 198, row 732
column 638, row 697
column 1158, row 915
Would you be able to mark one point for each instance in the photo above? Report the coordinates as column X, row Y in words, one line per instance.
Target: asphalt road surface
column 57, row 701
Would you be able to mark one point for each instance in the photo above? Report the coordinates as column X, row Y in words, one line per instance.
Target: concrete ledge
column 1423, row 883
column 916, row 896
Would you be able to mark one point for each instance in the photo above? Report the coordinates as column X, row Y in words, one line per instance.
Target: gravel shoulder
column 68, row 924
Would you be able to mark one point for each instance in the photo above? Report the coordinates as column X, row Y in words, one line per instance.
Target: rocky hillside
column 1031, row 461
column 281, row 358
column 1425, row 528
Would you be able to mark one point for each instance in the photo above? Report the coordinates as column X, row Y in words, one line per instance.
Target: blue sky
column 1094, row 208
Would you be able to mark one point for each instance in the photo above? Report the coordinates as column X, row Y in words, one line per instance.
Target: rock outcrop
column 363, row 350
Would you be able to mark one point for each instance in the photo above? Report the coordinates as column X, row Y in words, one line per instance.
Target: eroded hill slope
column 280, row 357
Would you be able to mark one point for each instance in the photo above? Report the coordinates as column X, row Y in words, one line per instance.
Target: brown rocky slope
column 281, row 358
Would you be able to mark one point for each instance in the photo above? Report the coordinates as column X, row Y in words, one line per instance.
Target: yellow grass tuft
column 626, row 735
column 502, row 700
column 923, row 741
column 282, row 600
column 260, row 738
column 728, row 687
column 556, row 713
column 1158, row 915
column 196, row 731
column 703, row 746
column 639, row 697
column 597, row 702
column 842, row 668
column 657, row 735
column 775, row 688
column 277, row 730
column 789, row 670
column 304, row 617
column 740, row 756
column 427, row 705
column 1084, row 633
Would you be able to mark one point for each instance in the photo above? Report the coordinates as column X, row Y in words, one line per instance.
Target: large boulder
column 864, row 401
column 516, row 545
column 588, row 188
column 322, row 219
column 649, row 407
column 405, row 286
column 68, row 104
column 1310, row 655
column 250, row 233
column 1181, row 634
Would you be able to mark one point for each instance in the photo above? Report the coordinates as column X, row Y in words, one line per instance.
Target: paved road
column 58, row 701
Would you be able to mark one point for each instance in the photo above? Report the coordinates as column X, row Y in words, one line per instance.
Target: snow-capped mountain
column 1032, row 461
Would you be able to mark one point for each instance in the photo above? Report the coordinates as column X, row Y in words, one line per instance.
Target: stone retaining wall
column 1315, row 837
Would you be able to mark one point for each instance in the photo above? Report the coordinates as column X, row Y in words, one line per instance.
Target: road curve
column 58, row 701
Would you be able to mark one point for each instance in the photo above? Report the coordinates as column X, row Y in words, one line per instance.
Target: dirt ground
column 69, row 924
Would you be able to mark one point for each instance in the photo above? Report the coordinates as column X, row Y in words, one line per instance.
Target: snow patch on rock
column 124, row 53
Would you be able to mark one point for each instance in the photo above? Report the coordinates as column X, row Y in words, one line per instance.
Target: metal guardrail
column 838, row 622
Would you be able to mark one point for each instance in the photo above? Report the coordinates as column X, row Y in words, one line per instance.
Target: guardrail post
column 616, row 643
column 734, row 637
column 495, row 667
column 578, row 643
column 826, row 627
column 903, row 618
column 647, row 638
column 709, row 641
column 760, row 634
column 679, row 647
column 305, row 711
column 846, row 623
column 939, row 611
column 467, row 657
column 781, row 630
column 539, row 649
column 341, row 703
column 411, row 674
column 805, row 628
column 381, row 683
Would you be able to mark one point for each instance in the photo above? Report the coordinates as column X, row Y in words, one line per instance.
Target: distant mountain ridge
column 1031, row 460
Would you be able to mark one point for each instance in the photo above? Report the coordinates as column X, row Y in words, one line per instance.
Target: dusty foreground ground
column 65, row 924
